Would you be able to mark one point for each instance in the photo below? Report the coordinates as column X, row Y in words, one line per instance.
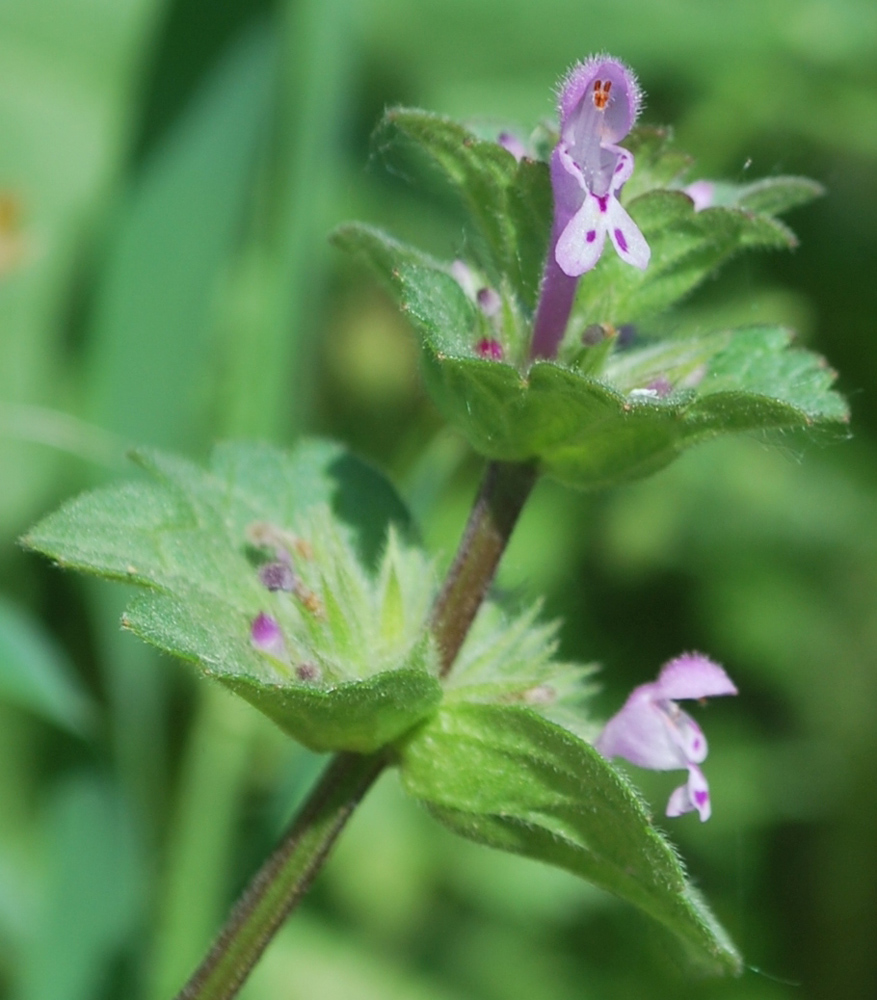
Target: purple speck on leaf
column 594, row 334
column 486, row 298
column 307, row 672
column 652, row 731
column 489, row 301
column 661, row 386
column 277, row 576
column 490, row 349
column 266, row 636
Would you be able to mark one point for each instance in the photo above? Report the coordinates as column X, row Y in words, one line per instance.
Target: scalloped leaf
column 357, row 668
column 769, row 195
column 509, row 202
column 658, row 164
column 508, row 778
column 686, row 247
column 592, row 432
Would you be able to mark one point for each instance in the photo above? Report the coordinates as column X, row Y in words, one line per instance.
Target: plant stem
column 286, row 876
column 504, row 491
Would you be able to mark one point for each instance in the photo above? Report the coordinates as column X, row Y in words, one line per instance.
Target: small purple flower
column 489, row 303
column 513, row 144
column 489, row 349
column 599, row 102
column 486, row 298
column 702, row 193
column 266, row 636
column 652, row 731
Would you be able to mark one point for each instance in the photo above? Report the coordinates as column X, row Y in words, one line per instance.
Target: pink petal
column 626, row 237
column 686, row 733
column 641, row 733
column 513, row 144
column 693, row 795
column 701, row 193
column 692, row 675
column 581, row 242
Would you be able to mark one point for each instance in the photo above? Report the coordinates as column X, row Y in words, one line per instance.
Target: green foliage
column 504, row 776
column 509, row 203
column 154, row 310
column 510, row 659
column 686, row 247
column 594, row 432
column 94, row 892
column 357, row 669
column 35, row 674
column 770, row 563
column 598, row 417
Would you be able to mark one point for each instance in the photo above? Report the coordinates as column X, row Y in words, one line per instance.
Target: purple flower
column 266, row 636
column 652, row 731
column 513, row 144
column 599, row 102
column 489, row 303
column 702, row 193
column 489, row 349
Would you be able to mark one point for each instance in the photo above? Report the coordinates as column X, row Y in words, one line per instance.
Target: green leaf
column 686, row 247
column 658, row 164
column 509, row 203
column 35, row 673
column 510, row 659
column 769, row 196
column 195, row 539
column 505, row 777
column 594, row 432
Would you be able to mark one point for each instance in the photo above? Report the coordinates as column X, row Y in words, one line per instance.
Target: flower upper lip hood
column 652, row 731
column 619, row 112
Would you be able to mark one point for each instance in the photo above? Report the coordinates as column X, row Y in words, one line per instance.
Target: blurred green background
column 168, row 172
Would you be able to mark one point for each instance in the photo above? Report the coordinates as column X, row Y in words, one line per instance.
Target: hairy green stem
column 286, row 876
column 502, row 496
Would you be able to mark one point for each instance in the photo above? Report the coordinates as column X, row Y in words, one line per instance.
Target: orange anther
column 601, row 94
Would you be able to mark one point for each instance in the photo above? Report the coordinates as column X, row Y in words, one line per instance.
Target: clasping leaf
column 354, row 666
column 504, row 776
